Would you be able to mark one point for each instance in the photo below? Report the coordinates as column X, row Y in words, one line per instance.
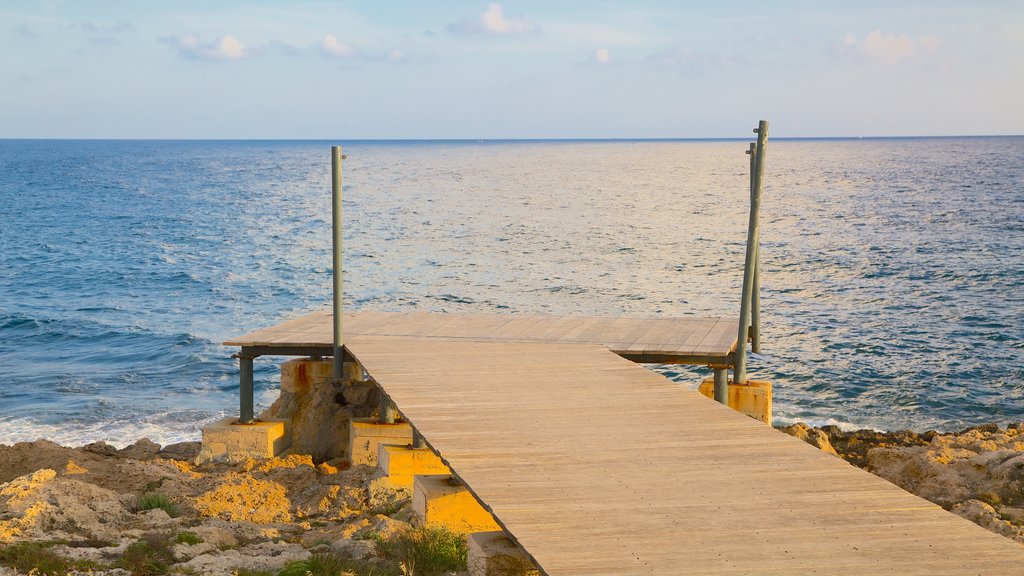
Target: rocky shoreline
column 147, row 509
column 977, row 473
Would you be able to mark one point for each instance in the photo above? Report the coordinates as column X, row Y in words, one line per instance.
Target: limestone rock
column 242, row 497
column 181, row 451
column 812, row 436
column 144, row 449
column 269, row 556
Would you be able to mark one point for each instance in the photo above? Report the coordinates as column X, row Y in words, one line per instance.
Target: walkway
column 598, row 466
column 688, row 340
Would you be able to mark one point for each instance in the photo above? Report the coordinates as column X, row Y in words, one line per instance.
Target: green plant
column 152, row 501
column 331, row 564
column 38, row 558
column 148, row 557
column 189, row 538
column 426, row 551
column 250, row 572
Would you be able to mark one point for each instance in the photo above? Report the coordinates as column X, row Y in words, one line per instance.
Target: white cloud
column 226, row 48
column 885, row 48
column 602, row 56
column 493, row 21
column 331, row 47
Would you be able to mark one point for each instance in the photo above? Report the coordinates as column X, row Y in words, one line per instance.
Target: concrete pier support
column 440, row 499
column 367, row 434
column 495, row 554
column 753, row 398
column 403, row 463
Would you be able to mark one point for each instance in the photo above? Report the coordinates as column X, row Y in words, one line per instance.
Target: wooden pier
column 595, row 465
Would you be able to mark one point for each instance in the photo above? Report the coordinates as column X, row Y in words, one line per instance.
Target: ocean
column 892, row 269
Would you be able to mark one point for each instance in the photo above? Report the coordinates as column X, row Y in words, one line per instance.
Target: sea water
column 892, row 269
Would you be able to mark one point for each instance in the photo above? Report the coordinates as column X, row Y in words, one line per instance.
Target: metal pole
column 336, row 223
column 245, row 389
column 755, row 303
column 722, row 385
column 387, row 409
column 740, row 370
column 417, row 440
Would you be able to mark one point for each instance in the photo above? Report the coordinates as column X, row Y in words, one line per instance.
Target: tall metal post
column 749, row 268
column 755, row 303
column 246, row 413
column 336, row 227
column 722, row 385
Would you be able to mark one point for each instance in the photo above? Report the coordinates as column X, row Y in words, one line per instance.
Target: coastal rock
column 185, row 451
column 986, row 516
column 144, row 449
column 812, row 436
column 242, row 497
column 269, row 556
column 42, row 504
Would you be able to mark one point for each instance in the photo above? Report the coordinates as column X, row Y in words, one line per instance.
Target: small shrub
column 190, row 538
column 149, row 557
column 331, row 565
column 426, row 551
column 38, row 558
column 250, row 572
column 152, row 501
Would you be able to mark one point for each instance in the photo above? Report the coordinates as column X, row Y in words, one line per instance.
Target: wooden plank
column 668, row 339
column 597, row 466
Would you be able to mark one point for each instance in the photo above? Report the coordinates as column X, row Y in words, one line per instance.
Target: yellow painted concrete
column 263, row 439
column 300, row 374
column 439, row 499
column 753, row 398
column 366, row 435
column 403, row 463
column 495, row 554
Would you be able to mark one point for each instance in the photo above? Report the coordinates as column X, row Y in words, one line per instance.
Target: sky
column 515, row 69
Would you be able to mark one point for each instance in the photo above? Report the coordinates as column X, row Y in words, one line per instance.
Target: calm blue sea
column 893, row 269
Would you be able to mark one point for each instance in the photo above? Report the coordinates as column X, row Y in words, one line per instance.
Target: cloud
column 494, row 22
column 602, row 56
column 692, row 61
column 226, row 48
column 884, row 48
column 331, row 47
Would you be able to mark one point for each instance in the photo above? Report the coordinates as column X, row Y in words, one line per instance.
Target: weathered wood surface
column 598, row 466
column 696, row 340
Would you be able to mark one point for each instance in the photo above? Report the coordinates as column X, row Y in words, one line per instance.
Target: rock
column 216, row 535
column 268, row 556
column 355, row 549
column 181, row 451
column 155, row 519
column 812, row 436
column 242, row 497
column 100, row 448
column 986, row 516
column 16, row 494
column 186, row 552
column 42, row 505
column 72, row 468
column 144, row 449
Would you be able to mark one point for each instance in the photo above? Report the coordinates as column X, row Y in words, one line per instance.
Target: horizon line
column 482, row 140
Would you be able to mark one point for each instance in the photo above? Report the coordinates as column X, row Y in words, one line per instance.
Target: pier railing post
column 750, row 263
column 246, row 412
column 755, row 301
column 336, row 227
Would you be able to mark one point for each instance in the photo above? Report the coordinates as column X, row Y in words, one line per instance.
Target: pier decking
column 687, row 340
column 597, row 466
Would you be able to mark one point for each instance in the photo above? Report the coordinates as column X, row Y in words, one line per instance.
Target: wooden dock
column 686, row 340
column 598, row 466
